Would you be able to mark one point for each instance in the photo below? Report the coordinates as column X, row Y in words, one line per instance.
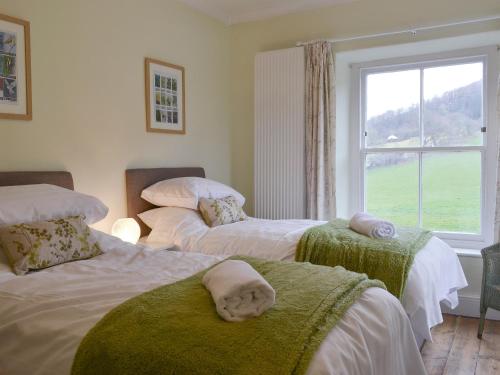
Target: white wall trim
column 469, row 306
column 488, row 55
column 468, row 253
column 209, row 10
column 232, row 14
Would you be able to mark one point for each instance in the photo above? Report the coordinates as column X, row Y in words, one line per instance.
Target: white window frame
column 489, row 56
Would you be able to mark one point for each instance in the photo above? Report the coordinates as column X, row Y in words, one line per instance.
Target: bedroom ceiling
column 235, row 11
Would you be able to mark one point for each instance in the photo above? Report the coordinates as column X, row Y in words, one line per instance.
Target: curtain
column 497, row 213
column 320, row 131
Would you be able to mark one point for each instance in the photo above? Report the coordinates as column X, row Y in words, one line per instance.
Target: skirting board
column 469, row 306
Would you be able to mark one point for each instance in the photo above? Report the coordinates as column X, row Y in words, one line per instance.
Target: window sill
column 469, row 253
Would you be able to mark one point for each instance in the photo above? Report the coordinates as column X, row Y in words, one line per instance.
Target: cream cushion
column 39, row 245
column 222, row 211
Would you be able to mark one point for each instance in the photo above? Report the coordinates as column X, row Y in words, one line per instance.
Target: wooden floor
column 457, row 350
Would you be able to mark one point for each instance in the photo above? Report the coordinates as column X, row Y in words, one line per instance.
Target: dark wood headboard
column 59, row 178
column 137, row 180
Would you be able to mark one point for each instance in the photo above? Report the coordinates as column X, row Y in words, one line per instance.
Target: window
column 423, row 137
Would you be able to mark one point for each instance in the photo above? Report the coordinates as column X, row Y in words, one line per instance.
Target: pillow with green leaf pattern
column 42, row 244
column 221, row 211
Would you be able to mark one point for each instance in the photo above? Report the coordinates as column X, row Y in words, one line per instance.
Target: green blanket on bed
column 175, row 329
column 334, row 244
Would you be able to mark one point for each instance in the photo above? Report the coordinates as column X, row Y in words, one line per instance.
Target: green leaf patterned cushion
column 42, row 244
column 221, row 211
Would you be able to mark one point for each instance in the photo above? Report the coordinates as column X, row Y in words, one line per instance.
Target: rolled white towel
column 372, row 226
column 239, row 292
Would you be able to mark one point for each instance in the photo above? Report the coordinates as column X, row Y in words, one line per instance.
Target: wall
column 470, row 260
column 88, row 92
column 88, row 86
column 350, row 19
column 356, row 18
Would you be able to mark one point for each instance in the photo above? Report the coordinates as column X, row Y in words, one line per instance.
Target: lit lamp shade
column 127, row 230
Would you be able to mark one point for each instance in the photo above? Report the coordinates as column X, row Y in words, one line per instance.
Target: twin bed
column 44, row 315
column 435, row 276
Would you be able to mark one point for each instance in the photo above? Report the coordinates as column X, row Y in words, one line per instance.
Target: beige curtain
column 497, row 213
column 320, row 131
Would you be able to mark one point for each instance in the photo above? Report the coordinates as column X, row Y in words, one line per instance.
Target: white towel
column 239, row 292
column 371, row 226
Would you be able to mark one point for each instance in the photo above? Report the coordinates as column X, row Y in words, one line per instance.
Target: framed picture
column 165, row 92
column 15, row 69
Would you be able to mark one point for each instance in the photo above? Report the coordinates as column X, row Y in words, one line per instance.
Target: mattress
column 436, row 274
column 44, row 315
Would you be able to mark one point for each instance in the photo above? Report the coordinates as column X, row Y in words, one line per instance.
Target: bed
column 45, row 314
column 435, row 277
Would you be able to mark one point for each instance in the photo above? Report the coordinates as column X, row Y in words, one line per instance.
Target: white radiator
column 279, row 181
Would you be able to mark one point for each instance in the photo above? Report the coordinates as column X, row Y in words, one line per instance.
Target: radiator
column 279, row 156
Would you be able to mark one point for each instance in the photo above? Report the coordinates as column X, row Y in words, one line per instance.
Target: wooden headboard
column 59, row 178
column 137, row 180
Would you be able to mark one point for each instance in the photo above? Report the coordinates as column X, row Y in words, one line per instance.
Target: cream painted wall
column 472, row 262
column 356, row 18
column 88, row 85
column 88, row 92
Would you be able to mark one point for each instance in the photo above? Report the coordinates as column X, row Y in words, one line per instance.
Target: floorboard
column 490, row 344
column 457, row 350
column 435, row 354
column 488, row 366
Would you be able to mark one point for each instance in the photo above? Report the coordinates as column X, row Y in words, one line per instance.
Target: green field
column 450, row 193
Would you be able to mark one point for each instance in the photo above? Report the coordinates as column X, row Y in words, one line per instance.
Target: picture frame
column 165, row 97
column 15, row 69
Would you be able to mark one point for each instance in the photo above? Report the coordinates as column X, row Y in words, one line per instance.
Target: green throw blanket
column 175, row 329
column 334, row 244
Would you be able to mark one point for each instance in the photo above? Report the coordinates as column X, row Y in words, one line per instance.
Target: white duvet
column 435, row 276
column 44, row 315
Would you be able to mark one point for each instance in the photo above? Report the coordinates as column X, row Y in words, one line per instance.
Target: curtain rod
column 412, row 31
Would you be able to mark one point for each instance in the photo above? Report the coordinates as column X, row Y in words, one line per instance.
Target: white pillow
column 186, row 191
column 175, row 225
column 171, row 214
column 29, row 203
column 151, row 216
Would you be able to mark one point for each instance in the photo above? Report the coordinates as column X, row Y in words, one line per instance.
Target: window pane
column 453, row 97
column 451, row 191
column 392, row 187
column 392, row 109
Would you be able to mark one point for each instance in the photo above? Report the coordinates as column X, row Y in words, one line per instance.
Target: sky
column 395, row 90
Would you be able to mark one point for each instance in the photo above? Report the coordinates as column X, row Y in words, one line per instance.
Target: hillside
column 448, row 120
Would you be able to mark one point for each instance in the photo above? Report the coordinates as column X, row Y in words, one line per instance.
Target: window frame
column 488, row 56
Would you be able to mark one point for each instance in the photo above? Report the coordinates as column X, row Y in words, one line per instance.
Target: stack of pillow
column 44, row 225
column 217, row 203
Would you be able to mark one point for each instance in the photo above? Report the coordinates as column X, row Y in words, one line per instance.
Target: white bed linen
column 44, row 315
column 435, row 276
